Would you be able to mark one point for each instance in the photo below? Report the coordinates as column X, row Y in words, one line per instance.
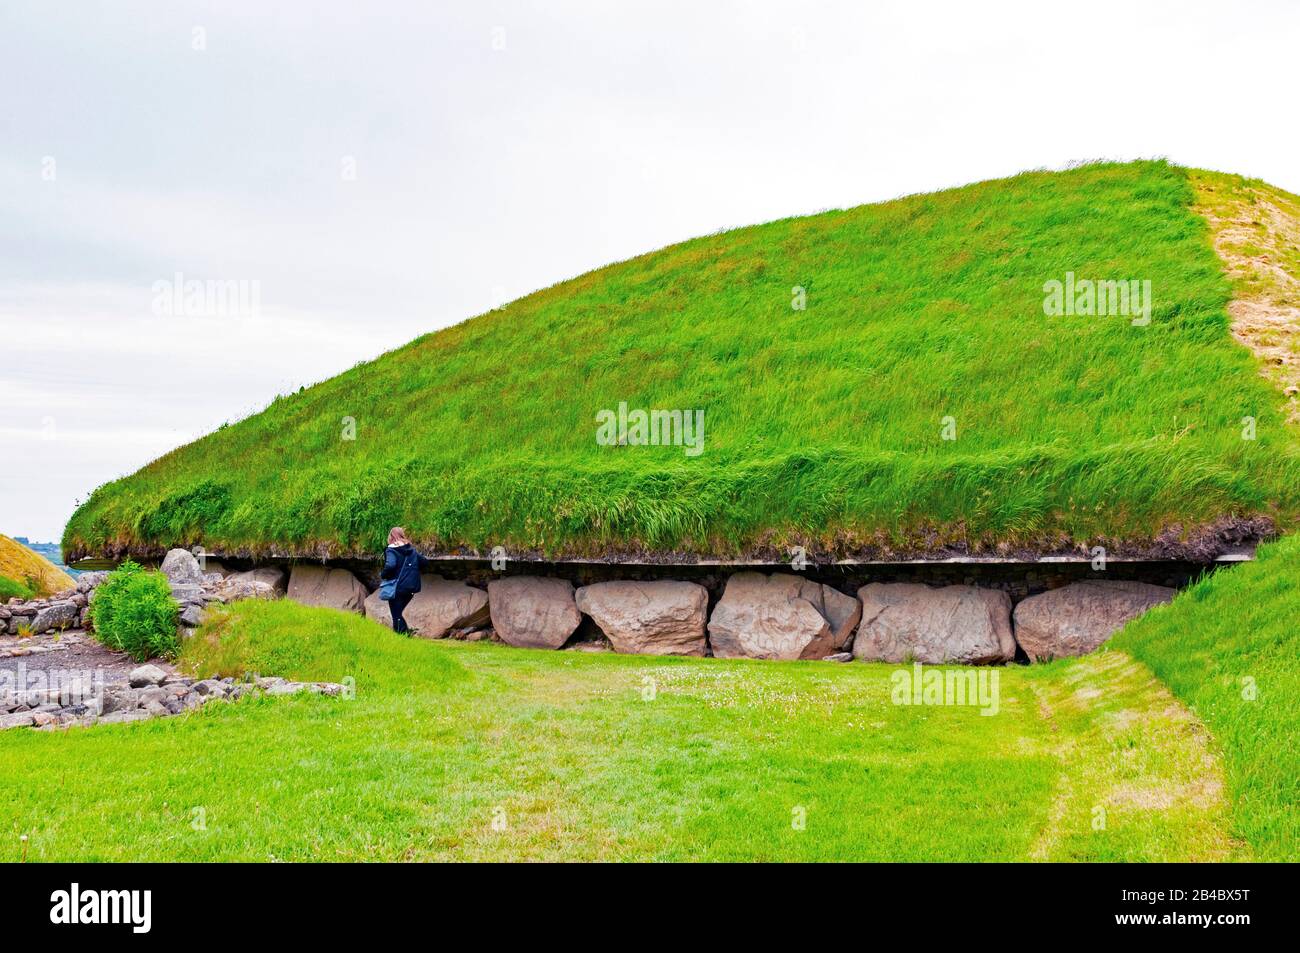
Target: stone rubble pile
column 151, row 692
column 193, row 590
column 63, row 610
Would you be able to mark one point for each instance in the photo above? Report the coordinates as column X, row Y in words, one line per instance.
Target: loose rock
column 146, row 675
column 56, row 615
column 192, row 616
column 231, row 590
column 180, row 566
column 272, row 576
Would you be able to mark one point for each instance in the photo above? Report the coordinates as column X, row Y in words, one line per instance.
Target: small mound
column 306, row 643
column 30, row 569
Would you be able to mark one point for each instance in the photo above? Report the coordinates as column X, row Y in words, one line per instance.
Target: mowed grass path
column 572, row 760
column 1229, row 647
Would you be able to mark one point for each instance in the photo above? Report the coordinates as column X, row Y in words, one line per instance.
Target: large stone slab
column 533, row 611
column 232, row 590
column 326, row 587
column 1075, row 619
column 660, row 617
column 903, row 622
column 440, row 606
column 780, row 617
column 273, row 576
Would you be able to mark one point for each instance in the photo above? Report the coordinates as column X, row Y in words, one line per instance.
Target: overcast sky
column 382, row 169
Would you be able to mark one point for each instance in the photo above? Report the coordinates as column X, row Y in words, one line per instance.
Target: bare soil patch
column 1256, row 232
column 73, row 650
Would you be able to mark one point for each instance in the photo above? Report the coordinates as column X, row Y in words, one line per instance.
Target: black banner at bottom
column 146, row 902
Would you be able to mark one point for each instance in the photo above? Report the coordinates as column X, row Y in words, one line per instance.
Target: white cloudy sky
column 599, row 130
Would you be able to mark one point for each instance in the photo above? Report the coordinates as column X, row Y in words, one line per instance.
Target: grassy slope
column 34, row 571
column 822, row 426
column 1233, row 632
column 12, row 588
column 441, row 734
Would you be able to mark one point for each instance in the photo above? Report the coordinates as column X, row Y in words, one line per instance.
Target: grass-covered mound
column 1230, row 648
column 28, row 573
column 823, row 426
column 460, row 751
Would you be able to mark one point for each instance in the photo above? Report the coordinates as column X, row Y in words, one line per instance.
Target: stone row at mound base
column 765, row 616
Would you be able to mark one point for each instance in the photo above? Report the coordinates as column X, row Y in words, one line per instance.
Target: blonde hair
column 397, row 536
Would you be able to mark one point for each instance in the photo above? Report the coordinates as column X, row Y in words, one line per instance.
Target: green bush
column 9, row 588
column 134, row 612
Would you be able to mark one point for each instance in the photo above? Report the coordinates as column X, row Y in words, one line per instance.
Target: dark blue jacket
column 404, row 564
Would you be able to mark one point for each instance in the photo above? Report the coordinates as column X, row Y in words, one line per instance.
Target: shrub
column 133, row 612
column 11, row 588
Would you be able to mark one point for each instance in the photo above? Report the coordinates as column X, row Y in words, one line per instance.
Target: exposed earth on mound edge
column 1224, row 537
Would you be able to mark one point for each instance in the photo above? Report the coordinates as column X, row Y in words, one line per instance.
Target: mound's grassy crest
column 823, row 427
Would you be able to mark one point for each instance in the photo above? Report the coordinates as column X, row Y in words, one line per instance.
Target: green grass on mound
column 1230, row 648
column 13, row 589
column 455, row 751
column 29, row 570
column 823, row 427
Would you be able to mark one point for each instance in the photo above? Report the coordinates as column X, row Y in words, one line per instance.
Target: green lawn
column 576, row 762
column 823, row 426
column 1230, row 649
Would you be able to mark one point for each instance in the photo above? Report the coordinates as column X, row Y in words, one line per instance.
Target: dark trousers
column 397, row 605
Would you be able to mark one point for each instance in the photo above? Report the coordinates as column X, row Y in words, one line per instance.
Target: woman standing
column 400, row 576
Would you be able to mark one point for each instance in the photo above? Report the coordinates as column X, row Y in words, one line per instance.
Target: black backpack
column 408, row 577
column 406, row 580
